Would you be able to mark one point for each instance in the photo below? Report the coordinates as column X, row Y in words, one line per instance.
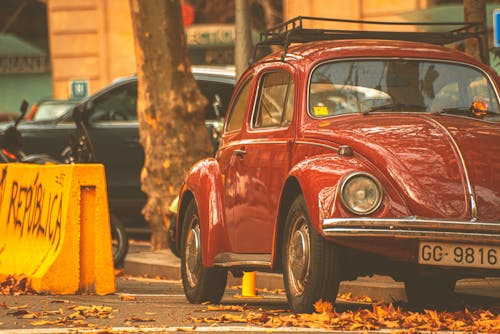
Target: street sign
column 78, row 88
column 496, row 27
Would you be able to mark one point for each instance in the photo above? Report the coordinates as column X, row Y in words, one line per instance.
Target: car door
column 113, row 128
column 228, row 153
column 261, row 163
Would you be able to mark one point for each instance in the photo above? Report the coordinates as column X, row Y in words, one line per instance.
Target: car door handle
column 240, row 153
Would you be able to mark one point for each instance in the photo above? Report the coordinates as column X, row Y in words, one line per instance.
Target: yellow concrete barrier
column 54, row 227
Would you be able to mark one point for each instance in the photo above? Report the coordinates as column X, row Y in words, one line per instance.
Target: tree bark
column 170, row 109
column 243, row 38
column 475, row 11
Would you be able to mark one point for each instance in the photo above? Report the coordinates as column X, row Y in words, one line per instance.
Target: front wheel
column 201, row 284
column 119, row 240
column 311, row 265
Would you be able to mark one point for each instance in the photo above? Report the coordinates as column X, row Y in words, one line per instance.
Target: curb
column 164, row 264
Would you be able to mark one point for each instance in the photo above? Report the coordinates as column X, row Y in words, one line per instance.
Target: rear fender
column 204, row 185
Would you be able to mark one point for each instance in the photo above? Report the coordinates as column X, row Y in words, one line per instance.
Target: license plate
column 459, row 255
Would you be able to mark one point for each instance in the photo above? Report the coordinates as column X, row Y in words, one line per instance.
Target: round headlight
column 361, row 193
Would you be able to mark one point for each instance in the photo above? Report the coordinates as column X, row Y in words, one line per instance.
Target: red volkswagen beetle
column 350, row 157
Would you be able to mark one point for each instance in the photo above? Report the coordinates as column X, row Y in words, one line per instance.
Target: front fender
column 204, row 185
column 319, row 178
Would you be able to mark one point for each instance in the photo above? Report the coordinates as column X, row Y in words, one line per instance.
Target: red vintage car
column 349, row 157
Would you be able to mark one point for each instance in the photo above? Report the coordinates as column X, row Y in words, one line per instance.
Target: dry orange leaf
column 379, row 317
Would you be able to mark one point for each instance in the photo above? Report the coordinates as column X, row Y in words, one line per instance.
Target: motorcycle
column 11, row 145
column 81, row 150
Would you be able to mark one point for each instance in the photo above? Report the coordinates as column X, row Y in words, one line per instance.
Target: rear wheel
column 201, row 284
column 171, row 235
column 311, row 265
column 119, row 240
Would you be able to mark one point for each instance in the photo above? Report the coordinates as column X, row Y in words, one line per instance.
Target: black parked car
column 113, row 128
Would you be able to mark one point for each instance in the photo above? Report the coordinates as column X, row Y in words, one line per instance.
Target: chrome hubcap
column 192, row 253
column 298, row 256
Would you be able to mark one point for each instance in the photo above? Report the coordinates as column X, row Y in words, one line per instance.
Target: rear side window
column 237, row 113
column 275, row 105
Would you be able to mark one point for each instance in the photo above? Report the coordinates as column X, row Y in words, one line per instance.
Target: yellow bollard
column 248, row 286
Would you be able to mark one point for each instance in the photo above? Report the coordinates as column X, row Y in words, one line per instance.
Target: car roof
column 204, row 70
column 314, row 52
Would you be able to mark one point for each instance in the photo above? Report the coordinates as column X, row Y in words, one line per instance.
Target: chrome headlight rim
column 376, row 205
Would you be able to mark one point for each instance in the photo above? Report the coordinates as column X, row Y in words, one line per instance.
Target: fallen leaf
column 59, row 301
column 138, row 319
column 128, row 298
column 18, row 307
column 236, row 308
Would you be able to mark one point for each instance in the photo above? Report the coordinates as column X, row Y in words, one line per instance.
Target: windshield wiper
column 463, row 111
column 394, row 106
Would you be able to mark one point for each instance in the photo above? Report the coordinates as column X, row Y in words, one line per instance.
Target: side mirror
column 24, row 107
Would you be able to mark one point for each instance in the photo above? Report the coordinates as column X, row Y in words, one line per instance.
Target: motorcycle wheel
column 119, row 240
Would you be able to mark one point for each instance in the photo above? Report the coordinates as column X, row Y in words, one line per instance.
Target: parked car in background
column 345, row 156
column 113, row 128
column 7, row 116
column 48, row 109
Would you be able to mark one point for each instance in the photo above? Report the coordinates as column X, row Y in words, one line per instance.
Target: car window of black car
column 237, row 113
column 218, row 95
column 275, row 103
column 119, row 104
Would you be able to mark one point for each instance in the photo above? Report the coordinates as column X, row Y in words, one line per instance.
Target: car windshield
column 409, row 85
column 49, row 111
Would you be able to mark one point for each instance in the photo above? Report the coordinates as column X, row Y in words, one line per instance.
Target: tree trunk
column 475, row 11
column 243, row 39
column 170, row 109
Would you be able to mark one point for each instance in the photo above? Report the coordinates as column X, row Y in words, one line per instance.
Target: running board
column 242, row 260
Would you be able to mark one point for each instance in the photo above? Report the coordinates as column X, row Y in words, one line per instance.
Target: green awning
column 445, row 13
column 12, row 46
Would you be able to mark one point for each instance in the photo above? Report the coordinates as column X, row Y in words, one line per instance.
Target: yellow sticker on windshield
column 320, row 111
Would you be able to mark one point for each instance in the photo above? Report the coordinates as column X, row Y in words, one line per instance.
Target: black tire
column 430, row 291
column 119, row 240
column 311, row 264
column 201, row 284
column 171, row 234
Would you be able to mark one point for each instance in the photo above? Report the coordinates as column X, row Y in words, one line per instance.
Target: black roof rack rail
column 294, row 31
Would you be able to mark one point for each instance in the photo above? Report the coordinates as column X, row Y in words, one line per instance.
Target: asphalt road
column 159, row 306
column 147, row 305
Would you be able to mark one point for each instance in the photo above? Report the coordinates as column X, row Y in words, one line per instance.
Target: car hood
column 437, row 162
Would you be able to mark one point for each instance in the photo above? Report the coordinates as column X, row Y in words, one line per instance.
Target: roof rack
column 294, row 31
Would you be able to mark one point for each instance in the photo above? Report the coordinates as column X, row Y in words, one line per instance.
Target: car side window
column 237, row 113
column 218, row 95
column 116, row 105
column 275, row 103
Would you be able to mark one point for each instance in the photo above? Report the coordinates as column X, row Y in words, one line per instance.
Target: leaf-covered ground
column 373, row 316
column 377, row 317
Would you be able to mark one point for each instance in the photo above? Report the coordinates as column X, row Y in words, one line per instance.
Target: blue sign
column 496, row 27
column 78, row 88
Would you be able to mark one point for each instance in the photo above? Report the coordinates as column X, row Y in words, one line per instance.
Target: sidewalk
column 382, row 288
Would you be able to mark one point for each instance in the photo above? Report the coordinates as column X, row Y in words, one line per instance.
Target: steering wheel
column 117, row 115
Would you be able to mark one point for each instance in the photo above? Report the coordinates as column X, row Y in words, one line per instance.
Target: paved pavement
column 381, row 288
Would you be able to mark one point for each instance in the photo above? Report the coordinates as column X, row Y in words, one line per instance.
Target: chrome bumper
column 413, row 228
